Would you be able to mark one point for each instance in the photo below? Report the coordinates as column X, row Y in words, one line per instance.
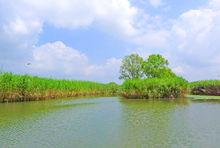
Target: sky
column 87, row 39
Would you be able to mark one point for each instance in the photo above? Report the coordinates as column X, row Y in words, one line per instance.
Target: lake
column 110, row 122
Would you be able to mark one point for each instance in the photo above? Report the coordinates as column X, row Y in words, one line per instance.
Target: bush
column 155, row 88
column 205, row 87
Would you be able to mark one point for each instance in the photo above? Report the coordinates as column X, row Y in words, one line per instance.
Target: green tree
column 131, row 67
column 156, row 66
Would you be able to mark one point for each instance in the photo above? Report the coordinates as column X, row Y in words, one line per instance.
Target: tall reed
column 155, row 88
column 25, row 88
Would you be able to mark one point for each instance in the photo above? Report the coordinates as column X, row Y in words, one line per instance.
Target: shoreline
column 203, row 98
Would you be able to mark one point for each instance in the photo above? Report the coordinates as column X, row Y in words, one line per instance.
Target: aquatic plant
column 25, row 88
column 155, row 88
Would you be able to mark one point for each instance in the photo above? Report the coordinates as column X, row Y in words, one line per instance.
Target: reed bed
column 27, row 88
column 205, row 83
column 175, row 87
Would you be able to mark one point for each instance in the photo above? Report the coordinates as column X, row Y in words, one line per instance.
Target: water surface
column 110, row 122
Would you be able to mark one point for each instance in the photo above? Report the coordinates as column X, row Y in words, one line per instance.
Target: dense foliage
column 131, row 67
column 153, row 78
column 205, row 87
column 22, row 88
column 155, row 88
column 156, row 66
column 205, row 83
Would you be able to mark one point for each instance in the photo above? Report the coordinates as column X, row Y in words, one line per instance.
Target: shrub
column 205, row 87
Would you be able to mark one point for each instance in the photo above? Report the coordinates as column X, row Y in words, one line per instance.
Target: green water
column 110, row 122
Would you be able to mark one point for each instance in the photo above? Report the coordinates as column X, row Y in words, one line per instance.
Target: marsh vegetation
column 150, row 78
column 142, row 79
column 26, row 88
column 155, row 88
column 205, row 87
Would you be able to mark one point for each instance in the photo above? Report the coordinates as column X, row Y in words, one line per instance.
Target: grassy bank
column 26, row 88
column 155, row 88
column 205, row 87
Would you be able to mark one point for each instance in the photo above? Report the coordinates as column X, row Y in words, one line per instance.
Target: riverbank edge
column 57, row 98
column 203, row 97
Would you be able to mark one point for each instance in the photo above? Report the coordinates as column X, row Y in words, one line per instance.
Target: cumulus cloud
column 22, row 21
column 57, row 59
column 195, row 42
column 116, row 17
column 72, row 14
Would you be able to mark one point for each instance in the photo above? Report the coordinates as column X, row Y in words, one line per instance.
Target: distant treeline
column 26, row 88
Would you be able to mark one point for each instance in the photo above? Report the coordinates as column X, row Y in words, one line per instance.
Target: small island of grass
column 150, row 78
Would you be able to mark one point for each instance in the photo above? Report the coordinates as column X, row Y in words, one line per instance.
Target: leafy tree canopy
column 156, row 66
column 131, row 67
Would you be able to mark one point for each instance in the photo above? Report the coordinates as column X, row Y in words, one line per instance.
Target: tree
column 131, row 67
column 156, row 66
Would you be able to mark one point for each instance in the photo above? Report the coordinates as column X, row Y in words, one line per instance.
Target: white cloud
column 74, row 13
column 57, row 59
column 194, row 25
column 214, row 4
column 109, row 70
column 117, row 17
column 22, row 21
column 195, row 36
column 153, row 39
column 17, row 36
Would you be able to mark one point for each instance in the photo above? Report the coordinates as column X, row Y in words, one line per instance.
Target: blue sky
column 80, row 39
column 91, row 41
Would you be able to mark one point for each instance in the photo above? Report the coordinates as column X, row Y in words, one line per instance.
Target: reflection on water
column 110, row 122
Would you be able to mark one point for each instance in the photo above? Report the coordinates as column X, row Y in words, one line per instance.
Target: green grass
column 203, row 97
column 155, row 88
column 205, row 83
column 25, row 88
